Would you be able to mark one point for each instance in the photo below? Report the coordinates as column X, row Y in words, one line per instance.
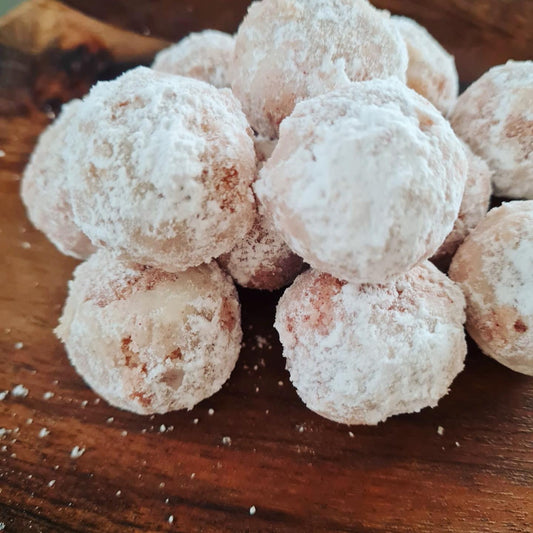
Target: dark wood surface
column 301, row 472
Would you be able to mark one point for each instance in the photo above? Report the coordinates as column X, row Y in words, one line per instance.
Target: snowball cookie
column 494, row 117
column 149, row 341
column 206, row 56
column 365, row 181
column 473, row 208
column 160, row 169
column 431, row 70
column 289, row 50
column 494, row 267
column 262, row 260
column 358, row 354
column 44, row 188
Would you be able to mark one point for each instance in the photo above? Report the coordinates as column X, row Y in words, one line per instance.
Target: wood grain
column 301, row 472
column 480, row 33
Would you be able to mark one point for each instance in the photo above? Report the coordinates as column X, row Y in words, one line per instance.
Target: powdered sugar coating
column 160, row 169
column 358, row 354
column 495, row 117
column 44, row 188
column 473, row 208
column 365, row 182
column 264, row 146
column 262, row 260
column 431, row 71
column 494, row 267
column 205, row 55
column 149, row 341
column 290, row 50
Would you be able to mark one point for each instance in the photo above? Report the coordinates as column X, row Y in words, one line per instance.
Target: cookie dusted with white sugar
column 494, row 116
column 365, row 181
column 262, row 260
column 45, row 191
column 474, row 206
column 205, row 55
column 160, row 168
column 494, row 267
column 149, row 341
column 431, row 70
column 358, row 354
column 289, row 50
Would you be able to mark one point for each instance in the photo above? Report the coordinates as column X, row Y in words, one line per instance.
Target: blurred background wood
column 173, row 472
column 480, row 33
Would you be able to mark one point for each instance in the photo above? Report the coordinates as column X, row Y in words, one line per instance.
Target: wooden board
column 301, row 472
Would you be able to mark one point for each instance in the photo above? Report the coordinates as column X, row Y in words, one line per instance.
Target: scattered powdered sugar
column 226, row 441
column 48, row 395
column 440, row 431
column 3, row 395
column 77, row 452
column 19, row 391
column 253, row 510
column 261, row 341
column 43, row 432
column 18, row 345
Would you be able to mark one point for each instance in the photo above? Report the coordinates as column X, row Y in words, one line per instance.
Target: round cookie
column 160, row 169
column 206, row 56
column 358, row 354
column 365, row 182
column 262, row 260
column 474, row 206
column 289, row 50
column 431, row 70
column 494, row 117
column 44, row 188
column 149, row 341
column 494, row 267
